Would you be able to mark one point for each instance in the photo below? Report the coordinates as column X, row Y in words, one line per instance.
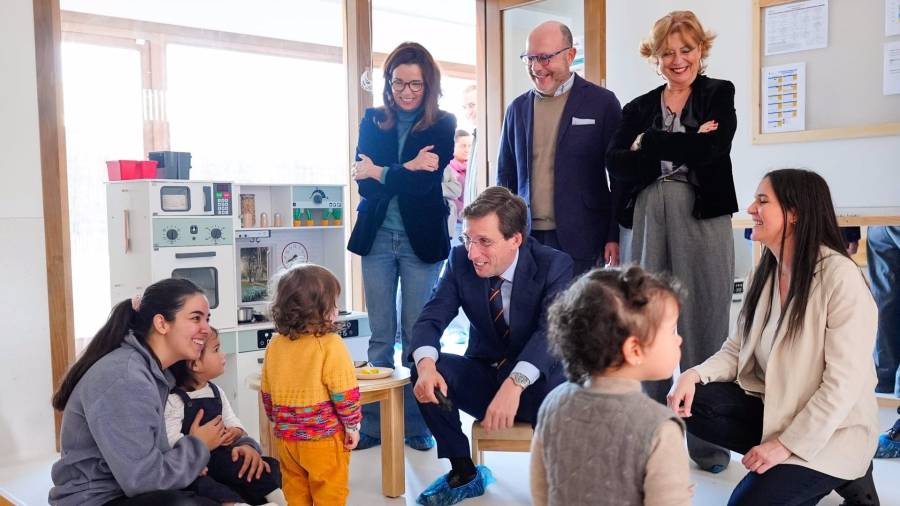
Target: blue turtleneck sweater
column 405, row 121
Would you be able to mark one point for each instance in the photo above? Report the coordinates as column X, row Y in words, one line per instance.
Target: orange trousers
column 315, row 472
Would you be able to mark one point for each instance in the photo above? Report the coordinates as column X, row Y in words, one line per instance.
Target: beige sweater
column 819, row 385
column 667, row 477
column 545, row 129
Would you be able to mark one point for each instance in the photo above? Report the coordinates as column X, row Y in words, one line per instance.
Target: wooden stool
column 515, row 439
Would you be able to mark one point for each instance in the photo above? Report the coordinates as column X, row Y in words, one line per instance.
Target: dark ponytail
column 164, row 298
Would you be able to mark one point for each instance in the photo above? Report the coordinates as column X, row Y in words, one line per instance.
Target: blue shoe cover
column 439, row 492
column 715, row 468
column 421, row 443
column 366, row 442
column 887, row 448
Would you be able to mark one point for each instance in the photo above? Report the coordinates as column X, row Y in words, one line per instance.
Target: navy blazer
column 584, row 204
column 541, row 273
column 418, row 193
column 708, row 155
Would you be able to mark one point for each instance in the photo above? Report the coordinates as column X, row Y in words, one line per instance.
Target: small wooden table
column 388, row 391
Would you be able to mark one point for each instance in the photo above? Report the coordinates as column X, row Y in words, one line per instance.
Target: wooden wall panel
column 55, row 191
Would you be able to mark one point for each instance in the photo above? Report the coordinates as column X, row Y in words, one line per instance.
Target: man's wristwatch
column 520, row 379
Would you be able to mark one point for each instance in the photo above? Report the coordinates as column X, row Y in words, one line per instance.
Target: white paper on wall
column 797, row 26
column 784, row 98
column 891, row 17
column 891, row 68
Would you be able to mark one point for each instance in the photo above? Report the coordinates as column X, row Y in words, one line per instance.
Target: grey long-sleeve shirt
column 114, row 435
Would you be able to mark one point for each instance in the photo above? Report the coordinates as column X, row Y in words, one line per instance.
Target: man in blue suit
column 552, row 152
column 504, row 281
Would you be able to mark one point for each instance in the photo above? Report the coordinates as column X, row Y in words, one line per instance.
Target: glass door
column 519, row 21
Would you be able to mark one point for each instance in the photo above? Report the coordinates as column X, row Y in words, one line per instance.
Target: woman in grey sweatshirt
column 114, row 445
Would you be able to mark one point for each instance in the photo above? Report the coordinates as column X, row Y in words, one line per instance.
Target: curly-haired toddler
column 598, row 438
column 309, row 388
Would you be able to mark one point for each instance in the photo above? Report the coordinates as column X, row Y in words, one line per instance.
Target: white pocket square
column 583, row 121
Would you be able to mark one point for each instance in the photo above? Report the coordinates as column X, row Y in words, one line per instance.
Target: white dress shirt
column 526, row 368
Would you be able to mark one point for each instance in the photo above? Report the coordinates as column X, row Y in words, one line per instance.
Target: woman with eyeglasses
column 401, row 232
column 672, row 154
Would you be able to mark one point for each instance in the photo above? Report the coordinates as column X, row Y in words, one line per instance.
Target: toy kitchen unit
column 277, row 226
column 173, row 228
column 231, row 239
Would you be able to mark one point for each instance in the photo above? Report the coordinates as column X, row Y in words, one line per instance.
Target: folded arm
column 688, row 147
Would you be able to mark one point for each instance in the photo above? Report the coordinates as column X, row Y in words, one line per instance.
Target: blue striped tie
column 495, row 300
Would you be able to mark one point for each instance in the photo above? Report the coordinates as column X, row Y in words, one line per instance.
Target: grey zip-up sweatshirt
column 114, row 435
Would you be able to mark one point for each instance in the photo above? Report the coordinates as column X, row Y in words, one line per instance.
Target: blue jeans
column 883, row 254
column 392, row 263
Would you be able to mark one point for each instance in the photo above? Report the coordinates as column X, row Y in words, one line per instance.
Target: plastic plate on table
column 373, row 373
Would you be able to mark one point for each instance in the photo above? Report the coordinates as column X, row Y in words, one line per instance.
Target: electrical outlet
column 737, row 289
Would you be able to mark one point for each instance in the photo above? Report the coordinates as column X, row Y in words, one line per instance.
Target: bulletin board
column 844, row 95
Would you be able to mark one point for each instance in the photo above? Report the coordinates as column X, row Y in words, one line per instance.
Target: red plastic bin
column 131, row 169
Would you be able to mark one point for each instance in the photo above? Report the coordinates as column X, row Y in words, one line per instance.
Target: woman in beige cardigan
column 792, row 390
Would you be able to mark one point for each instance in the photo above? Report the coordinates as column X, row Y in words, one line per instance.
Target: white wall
column 26, row 418
column 860, row 172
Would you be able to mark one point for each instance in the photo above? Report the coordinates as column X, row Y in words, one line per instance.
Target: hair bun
column 632, row 284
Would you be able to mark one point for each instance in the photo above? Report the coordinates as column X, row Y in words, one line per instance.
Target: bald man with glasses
column 552, row 152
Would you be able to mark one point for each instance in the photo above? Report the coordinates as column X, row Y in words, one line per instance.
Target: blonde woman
column 672, row 154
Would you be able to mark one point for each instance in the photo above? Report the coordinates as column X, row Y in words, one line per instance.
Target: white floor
column 27, row 484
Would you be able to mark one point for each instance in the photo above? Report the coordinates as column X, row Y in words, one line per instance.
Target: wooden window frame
column 50, row 25
column 491, row 102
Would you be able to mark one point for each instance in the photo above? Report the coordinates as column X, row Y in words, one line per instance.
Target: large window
column 257, row 118
column 103, row 115
column 255, row 94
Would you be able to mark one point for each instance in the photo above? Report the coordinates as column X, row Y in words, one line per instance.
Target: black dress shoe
column 859, row 492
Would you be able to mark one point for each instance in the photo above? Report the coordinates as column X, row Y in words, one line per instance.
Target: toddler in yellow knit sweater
column 309, row 388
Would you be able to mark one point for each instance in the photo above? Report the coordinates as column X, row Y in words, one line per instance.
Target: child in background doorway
column 454, row 181
column 309, row 388
column 236, row 474
column 612, row 329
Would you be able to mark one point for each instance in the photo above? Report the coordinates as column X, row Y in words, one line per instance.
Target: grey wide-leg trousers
column 700, row 254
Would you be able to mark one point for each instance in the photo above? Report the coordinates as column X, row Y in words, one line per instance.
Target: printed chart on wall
column 892, row 68
column 784, row 98
column 891, row 17
column 797, row 26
